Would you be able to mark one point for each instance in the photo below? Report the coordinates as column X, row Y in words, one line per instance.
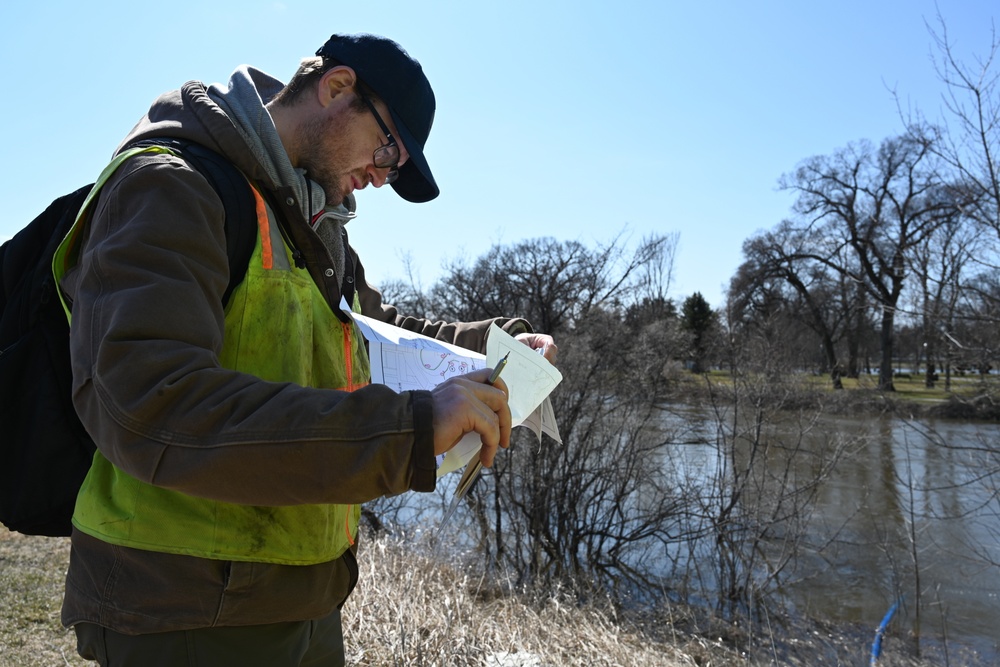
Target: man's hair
column 307, row 77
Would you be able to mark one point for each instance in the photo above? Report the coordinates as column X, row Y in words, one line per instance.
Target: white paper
column 405, row 361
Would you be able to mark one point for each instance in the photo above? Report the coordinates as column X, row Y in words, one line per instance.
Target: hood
column 189, row 113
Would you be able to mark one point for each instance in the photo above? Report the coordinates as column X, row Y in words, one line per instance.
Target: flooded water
column 909, row 512
column 915, row 515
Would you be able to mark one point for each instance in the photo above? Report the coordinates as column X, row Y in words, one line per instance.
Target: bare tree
column 823, row 299
column 553, row 284
column 875, row 205
column 656, row 276
column 586, row 511
column 754, row 509
column 971, row 141
column 940, row 266
column 406, row 294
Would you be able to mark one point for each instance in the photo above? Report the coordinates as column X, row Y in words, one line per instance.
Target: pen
column 475, row 466
column 498, row 369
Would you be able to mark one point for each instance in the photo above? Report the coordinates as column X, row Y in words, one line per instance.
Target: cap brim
column 416, row 182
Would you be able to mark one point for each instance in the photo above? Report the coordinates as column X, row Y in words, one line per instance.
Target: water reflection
column 909, row 510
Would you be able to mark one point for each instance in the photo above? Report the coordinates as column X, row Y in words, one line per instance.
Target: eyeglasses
column 387, row 155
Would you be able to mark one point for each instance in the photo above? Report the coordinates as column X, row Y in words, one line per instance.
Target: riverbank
column 411, row 609
column 969, row 397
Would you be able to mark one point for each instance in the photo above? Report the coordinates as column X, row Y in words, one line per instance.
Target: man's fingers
column 542, row 343
column 466, row 404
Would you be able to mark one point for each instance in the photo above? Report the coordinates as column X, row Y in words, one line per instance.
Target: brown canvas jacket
column 146, row 333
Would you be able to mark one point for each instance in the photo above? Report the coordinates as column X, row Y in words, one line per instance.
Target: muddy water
column 916, row 515
column 910, row 512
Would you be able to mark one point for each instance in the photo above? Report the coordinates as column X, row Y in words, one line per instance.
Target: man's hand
column 466, row 404
column 543, row 342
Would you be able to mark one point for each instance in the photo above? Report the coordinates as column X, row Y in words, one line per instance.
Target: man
column 218, row 523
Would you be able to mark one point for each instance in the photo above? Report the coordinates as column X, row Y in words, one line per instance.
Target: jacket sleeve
column 470, row 335
column 146, row 334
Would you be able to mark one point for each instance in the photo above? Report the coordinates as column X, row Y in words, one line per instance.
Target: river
column 909, row 512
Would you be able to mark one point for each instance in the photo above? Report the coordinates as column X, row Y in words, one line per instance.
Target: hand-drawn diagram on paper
column 404, row 361
column 418, row 367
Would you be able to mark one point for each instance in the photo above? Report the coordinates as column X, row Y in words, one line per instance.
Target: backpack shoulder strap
column 229, row 183
column 241, row 211
column 237, row 198
column 67, row 246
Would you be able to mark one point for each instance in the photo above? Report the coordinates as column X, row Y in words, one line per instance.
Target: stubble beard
column 321, row 154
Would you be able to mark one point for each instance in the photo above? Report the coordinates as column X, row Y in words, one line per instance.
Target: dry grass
column 409, row 609
column 32, row 573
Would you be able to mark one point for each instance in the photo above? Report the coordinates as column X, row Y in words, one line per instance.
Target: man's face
column 338, row 147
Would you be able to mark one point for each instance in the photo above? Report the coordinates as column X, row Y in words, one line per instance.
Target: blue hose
column 880, row 631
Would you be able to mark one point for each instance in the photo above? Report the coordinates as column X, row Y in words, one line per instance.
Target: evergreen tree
column 698, row 319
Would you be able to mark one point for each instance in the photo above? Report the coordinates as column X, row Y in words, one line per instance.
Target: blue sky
column 575, row 120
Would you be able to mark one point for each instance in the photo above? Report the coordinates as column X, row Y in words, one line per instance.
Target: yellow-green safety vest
column 275, row 302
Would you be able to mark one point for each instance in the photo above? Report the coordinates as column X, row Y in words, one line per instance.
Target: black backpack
column 44, row 450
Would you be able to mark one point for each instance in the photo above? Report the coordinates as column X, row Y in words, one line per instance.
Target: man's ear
column 335, row 82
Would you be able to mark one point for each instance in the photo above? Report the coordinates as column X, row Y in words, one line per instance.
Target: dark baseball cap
column 399, row 81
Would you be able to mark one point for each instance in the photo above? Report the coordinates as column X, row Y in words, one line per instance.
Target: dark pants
column 302, row 644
